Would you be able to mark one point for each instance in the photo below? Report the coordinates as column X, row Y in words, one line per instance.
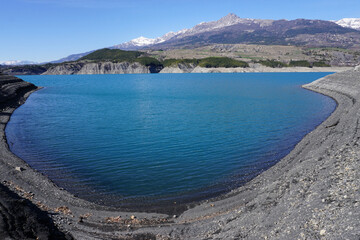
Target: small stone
column 20, row 169
column 132, row 217
column 175, row 216
column 322, row 232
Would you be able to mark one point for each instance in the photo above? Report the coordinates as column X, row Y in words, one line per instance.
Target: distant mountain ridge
column 72, row 57
column 228, row 20
column 232, row 29
column 299, row 32
column 16, row 62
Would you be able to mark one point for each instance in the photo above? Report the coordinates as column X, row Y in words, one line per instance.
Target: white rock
column 20, row 169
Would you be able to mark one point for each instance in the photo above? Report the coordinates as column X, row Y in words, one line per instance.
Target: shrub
column 215, row 62
column 272, row 63
column 321, row 64
column 148, row 61
column 114, row 55
column 301, row 63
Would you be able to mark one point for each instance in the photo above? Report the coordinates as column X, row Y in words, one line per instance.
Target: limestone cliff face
column 97, row 68
column 179, row 68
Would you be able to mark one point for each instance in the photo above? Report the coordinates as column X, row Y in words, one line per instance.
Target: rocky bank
column 182, row 68
column 97, row 68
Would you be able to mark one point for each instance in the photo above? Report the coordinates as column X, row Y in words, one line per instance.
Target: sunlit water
column 173, row 137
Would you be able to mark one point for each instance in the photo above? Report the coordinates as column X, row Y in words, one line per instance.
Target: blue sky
column 44, row 30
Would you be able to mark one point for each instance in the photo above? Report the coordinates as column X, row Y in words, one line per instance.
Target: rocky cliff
column 179, row 68
column 97, row 68
column 12, row 90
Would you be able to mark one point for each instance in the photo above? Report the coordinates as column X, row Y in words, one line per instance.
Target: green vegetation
column 320, row 64
column 216, row 62
column 304, row 63
column 33, row 69
column 301, row 63
column 148, row 61
column 114, row 55
column 272, row 63
column 174, row 62
column 210, row 62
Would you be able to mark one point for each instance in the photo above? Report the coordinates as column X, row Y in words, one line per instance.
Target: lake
column 160, row 138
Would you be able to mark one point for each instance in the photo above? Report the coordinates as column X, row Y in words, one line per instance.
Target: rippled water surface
column 171, row 137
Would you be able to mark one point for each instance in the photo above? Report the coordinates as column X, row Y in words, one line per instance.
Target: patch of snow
column 228, row 20
column 349, row 23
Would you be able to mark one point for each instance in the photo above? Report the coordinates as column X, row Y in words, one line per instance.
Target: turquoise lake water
column 114, row 139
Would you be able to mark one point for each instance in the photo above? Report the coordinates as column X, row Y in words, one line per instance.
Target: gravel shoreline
column 312, row 193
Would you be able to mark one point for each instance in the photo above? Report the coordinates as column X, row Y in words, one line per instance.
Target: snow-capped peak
column 139, row 42
column 349, row 23
column 228, row 20
column 16, row 62
column 143, row 41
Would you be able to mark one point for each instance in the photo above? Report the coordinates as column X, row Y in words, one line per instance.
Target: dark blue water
column 109, row 138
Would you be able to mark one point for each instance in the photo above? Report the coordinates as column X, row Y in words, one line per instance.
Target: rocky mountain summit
column 349, row 23
column 230, row 19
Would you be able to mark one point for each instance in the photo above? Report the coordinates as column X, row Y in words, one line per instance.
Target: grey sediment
column 312, row 193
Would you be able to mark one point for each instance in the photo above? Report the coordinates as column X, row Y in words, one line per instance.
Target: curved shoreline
column 282, row 202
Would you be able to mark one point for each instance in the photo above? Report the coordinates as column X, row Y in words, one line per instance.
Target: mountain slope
column 301, row 32
column 232, row 29
column 349, row 23
column 72, row 57
column 229, row 20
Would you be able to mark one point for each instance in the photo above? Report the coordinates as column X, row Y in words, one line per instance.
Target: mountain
column 141, row 42
column 299, row 32
column 229, row 20
column 138, row 43
column 232, row 29
column 17, row 62
column 72, row 57
column 349, row 23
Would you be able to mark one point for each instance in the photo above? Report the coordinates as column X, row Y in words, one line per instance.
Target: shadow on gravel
column 21, row 219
